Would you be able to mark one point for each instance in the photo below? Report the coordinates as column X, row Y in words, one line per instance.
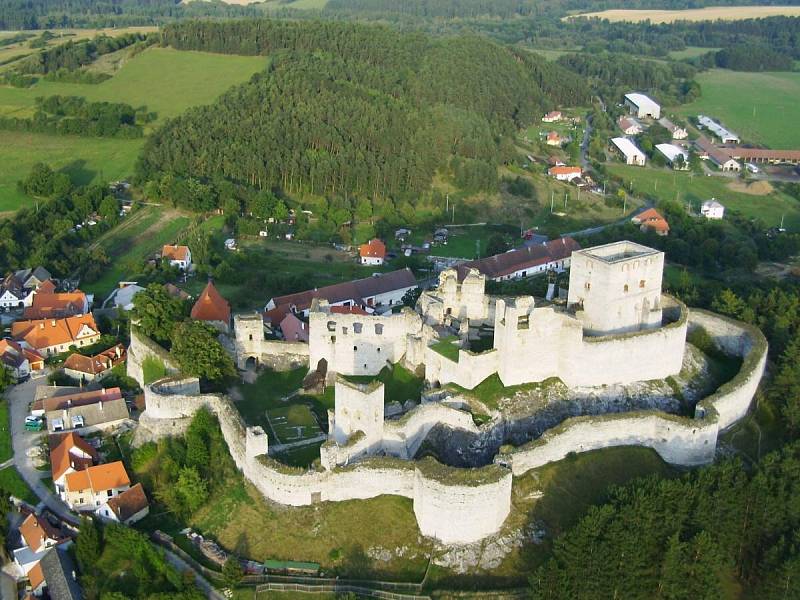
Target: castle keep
column 615, row 329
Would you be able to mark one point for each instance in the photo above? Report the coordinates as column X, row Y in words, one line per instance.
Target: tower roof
column 211, row 306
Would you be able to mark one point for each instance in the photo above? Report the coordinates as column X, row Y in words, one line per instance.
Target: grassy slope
column 5, row 433
column 667, row 185
column 165, row 80
column 732, row 97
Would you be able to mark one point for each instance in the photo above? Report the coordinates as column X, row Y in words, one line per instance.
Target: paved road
column 19, row 398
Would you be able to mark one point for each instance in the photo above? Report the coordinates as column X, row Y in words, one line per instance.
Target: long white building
column 726, row 136
column 642, row 106
column 629, row 151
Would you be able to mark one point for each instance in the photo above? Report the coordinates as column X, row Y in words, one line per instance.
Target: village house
column 523, row 262
column 94, row 368
column 127, row 508
column 294, row 329
column 69, row 453
column 711, row 209
column 630, row 153
column 53, row 336
column 19, row 360
column 18, row 288
column 675, row 156
column 642, row 106
column 552, row 117
column 380, row 290
column 720, row 157
column 92, row 487
column 212, row 308
column 651, row 219
column 372, row 253
column 178, row 256
column 49, row 304
column 677, row 132
column 556, row 161
column 83, row 411
column 630, row 126
column 565, row 173
column 554, row 139
column 122, row 297
column 37, row 536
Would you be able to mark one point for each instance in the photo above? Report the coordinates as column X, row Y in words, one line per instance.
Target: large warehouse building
column 642, row 106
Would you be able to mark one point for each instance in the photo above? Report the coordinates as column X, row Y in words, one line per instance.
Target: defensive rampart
column 141, row 348
column 679, row 440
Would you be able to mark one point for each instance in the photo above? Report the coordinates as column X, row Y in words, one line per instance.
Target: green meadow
column 695, row 189
column 165, row 80
column 760, row 107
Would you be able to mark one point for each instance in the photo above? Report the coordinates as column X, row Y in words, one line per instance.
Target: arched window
column 641, row 283
column 625, row 289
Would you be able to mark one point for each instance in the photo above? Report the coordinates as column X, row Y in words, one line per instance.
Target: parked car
column 33, row 423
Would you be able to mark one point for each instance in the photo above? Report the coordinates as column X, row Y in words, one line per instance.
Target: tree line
column 74, row 115
column 72, row 55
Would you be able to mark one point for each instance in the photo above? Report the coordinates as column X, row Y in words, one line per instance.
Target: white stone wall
column 277, row 355
column 358, row 407
column 141, row 348
column 359, row 344
column 619, row 293
column 454, row 300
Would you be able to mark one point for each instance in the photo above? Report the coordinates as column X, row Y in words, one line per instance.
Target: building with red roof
column 373, row 252
column 565, row 173
column 524, row 262
column 651, row 219
column 212, row 308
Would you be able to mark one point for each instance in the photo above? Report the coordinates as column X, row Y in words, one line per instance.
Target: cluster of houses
column 86, row 485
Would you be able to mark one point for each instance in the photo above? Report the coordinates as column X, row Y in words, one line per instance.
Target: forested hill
column 346, row 109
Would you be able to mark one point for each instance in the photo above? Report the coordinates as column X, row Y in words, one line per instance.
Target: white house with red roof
column 373, row 252
column 178, row 256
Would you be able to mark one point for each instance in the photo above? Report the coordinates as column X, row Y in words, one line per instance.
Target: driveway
column 19, row 398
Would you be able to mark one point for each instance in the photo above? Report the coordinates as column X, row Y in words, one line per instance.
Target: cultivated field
column 724, row 13
column 760, row 107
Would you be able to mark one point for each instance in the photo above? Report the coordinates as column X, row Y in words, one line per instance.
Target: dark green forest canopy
column 354, row 109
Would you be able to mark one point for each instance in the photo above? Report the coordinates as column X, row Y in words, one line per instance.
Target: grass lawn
column 84, row 159
column 6, row 451
column 760, row 107
column 447, row 347
column 671, row 185
column 293, row 423
column 335, row 534
column 153, row 369
column 491, row 390
column 301, row 456
column 11, row 482
column 690, row 52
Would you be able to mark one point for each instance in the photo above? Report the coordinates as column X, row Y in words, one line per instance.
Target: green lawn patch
column 491, row 390
column 11, row 482
column 760, row 107
column 267, row 393
column 690, row 52
column 301, row 456
column 153, row 369
column 6, row 451
column 447, row 347
column 695, row 189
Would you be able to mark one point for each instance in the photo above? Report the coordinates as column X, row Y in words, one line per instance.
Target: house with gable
column 69, row 453
column 652, row 220
column 37, row 537
column 178, row 256
column 56, row 577
column 94, row 368
column 48, row 304
column 92, row 487
column 19, row 360
column 372, row 253
column 127, row 508
column 53, row 336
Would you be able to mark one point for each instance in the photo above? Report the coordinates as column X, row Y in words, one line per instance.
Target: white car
column 752, row 168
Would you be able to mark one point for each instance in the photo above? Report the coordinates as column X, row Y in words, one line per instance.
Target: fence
column 338, row 588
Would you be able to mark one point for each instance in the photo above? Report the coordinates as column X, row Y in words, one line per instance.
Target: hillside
column 351, row 109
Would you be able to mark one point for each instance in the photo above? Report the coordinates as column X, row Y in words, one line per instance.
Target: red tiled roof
column 43, row 333
column 92, row 365
column 36, row 576
column 46, row 305
column 564, row 170
column 171, row 252
column 211, row 306
column 129, row 502
column 652, row 219
column 293, row 329
column 764, row 154
column 348, row 310
column 372, row 249
column 81, row 399
column 62, row 457
column 553, row 136
column 524, row 258
column 35, row 530
column 98, row 478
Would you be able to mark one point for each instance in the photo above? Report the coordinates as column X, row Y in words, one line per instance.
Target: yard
column 685, row 187
column 292, row 423
column 12, row 483
column 760, row 107
column 6, row 450
column 400, row 384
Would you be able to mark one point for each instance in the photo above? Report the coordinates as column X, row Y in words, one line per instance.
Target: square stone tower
column 358, row 407
column 616, row 288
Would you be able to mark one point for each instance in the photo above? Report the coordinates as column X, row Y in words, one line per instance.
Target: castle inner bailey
column 616, row 327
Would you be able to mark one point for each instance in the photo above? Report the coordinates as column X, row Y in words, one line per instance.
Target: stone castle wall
column 251, row 345
column 142, row 348
column 679, row 440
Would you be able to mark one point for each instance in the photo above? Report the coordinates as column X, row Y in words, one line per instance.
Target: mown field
column 760, row 107
column 669, row 185
column 723, row 13
column 165, row 80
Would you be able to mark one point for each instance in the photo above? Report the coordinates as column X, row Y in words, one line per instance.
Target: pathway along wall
column 679, row 440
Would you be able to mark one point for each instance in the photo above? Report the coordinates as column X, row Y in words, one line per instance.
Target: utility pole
column 447, row 206
column 478, row 248
column 552, row 199
column 566, row 195
column 454, row 212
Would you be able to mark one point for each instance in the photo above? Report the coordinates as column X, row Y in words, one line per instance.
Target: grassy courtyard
column 760, row 107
